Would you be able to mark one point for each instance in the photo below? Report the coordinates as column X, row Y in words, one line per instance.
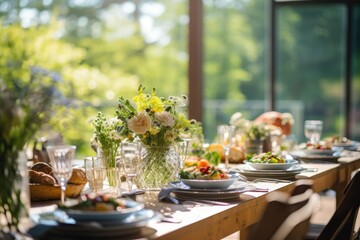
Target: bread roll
column 236, row 154
column 42, row 167
column 41, row 178
column 78, row 177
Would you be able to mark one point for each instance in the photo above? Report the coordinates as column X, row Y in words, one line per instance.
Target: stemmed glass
column 226, row 134
column 313, row 130
column 61, row 161
column 130, row 157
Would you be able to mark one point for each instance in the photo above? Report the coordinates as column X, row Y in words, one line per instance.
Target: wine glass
column 226, row 134
column 61, row 161
column 130, row 157
column 312, row 130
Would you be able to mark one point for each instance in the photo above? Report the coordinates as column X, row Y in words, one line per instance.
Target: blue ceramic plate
column 131, row 208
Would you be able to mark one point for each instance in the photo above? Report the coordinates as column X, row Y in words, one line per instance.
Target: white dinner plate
column 210, row 184
column 303, row 156
column 287, row 174
column 322, row 152
column 236, row 186
column 130, row 208
column 272, row 166
column 212, row 195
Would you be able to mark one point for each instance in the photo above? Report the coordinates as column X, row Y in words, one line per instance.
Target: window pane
column 355, row 111
column 310, row 61
column 234, row 65
column 108, row 49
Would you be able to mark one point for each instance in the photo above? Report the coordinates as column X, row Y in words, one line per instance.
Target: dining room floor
column 322, row 216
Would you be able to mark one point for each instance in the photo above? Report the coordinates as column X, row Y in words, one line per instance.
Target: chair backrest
column 341, row 224
column 286, row 216
column 302, row 186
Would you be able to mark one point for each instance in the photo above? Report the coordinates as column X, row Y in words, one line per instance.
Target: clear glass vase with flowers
column 107, row 141
column 156, row 123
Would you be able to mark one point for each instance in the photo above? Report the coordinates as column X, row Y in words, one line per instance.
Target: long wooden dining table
column 194, row 220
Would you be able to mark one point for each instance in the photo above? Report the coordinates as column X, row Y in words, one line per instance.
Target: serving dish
column 272, row 166
column 211, row 184
column 131, row 207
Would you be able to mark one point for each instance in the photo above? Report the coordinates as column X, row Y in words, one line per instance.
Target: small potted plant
column 251, row 134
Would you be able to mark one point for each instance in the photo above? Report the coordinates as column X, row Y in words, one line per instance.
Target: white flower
column 165, row 118
column 238, row 120
column 140, row 123
column 170, row 136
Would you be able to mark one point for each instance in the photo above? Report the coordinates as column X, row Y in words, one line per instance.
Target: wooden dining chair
column 342, row 223
column 286, row 216
column 302, row 186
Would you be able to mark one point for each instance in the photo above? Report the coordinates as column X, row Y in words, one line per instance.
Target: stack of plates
column 286, row 171
column 316, row 155
column 183, row 191
column 77, row 224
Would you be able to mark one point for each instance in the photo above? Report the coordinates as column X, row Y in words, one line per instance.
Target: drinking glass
column 226, row 134
column 95, row 173
column 182, row 148
column 312, row 130
column 61, row 161
column 130, row 157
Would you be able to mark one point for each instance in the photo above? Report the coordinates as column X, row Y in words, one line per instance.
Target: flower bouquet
column 107, row 141
column 156, row 123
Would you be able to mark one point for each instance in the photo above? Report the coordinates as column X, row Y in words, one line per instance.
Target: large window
column 314, row 64
column 102, row 50
column 355, row 89
column 105, row 49
column 234, row 61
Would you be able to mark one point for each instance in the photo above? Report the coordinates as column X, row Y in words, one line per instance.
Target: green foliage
column 26, row 95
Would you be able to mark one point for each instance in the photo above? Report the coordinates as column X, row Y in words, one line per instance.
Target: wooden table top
column 202, row 221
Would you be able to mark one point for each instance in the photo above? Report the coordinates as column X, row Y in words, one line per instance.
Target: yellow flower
column 154, row 130
column 182, row 121
column 156, row 104
column 141, row 100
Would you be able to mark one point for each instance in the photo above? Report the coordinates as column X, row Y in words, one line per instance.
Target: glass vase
column 159, row 166
column 109, row 158
column 254, row 146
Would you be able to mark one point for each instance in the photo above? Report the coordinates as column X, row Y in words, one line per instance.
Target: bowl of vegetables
column 269, row 161
column 206, row 176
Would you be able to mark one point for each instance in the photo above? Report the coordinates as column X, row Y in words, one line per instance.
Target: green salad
column 268, row 157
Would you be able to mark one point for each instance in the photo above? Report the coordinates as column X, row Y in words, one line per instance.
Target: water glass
column 313, row 130
column 226, row 134
column 130, row 158
column 61, row 160
column 95, row 173
column 114, row 189
column 182, row 148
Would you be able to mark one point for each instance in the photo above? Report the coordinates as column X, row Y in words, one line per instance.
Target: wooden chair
column 286, row 217
column 341, row 225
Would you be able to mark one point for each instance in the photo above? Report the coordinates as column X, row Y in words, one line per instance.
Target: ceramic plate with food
column 211, row 184
column 101, row 208
column 270, row 161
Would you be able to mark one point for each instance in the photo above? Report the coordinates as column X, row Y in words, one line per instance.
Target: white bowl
column 210, row 184
column 272, row 166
